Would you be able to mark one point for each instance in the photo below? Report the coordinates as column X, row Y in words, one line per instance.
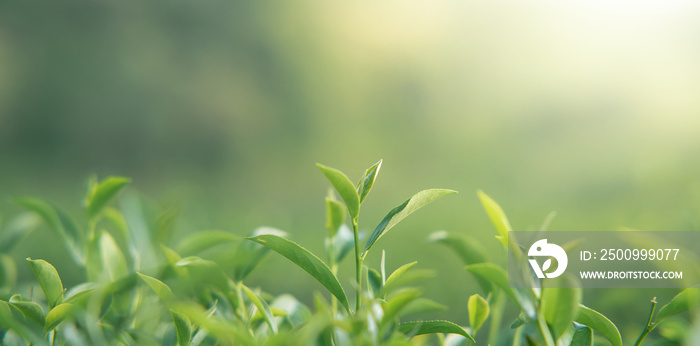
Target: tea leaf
column 307, row 261
column 162, row 290
column 406, row 208
column 367, row 181
column 31, row 311
column 467, row 248
column 398, row 302
column 58, row 221
column 48, row 279
column 183, row 327
column 262, row 307
column 478, row 311
column 600, row 323
column 422, row 305
column 102, row 193
column 429, row 327
column 249, row 255
column 112, row 259
column 583, row 336
column 58, row 315
column 344, row 187
column 560, row 305
column 497, row 216
column 682, row 302
column 494, row 274
column 335, row 215
column 199, row 242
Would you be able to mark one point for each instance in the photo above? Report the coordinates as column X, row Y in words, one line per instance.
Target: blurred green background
column 589, row 108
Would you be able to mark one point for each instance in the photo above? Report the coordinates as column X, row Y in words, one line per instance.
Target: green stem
column 650, row 325
column 334, row 270
column 358, row 266
column 496, row 315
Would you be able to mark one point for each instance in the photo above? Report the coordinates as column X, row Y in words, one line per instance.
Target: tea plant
column 551, row 316
column 140, row 288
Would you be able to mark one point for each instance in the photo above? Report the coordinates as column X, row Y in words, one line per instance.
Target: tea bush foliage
column 142, row 288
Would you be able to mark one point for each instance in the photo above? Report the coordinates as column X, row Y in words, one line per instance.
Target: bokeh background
column 222, row 109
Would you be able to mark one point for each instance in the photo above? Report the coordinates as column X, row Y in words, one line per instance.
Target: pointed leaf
column 48, row 279
column 494, row 274
column 58, row 315
column 335, row 215
column 686, row 300
column 406, row 208
column 249, row 255
column 398, row 273
column 422, row 305
column 600, row 323
column 307, row 261
column 162, row 290
column 199, row 242
column 497, row 216
column 398, row 302
column 102, row 193
column 478, row 311
column 58, row 221
column 560, row 305
column 113, row 261
column 20, row 227
column 429, row 327
column 262, row 307
column 367, row 181
column 31, row 311
column 519, row 322
column 344, row 187
column 467, row 248
column 583, row 336
column 183, row 327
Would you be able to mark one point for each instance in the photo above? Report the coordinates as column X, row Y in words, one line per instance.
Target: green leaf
column 497, row 216
column 249, row 255
column 583, row 336
column 494, row 274
column 335, row 215
column 398, row 273
column 58, row 315
column 262, row 307
column 20, row 227
column 422, row 305
column 367, row 181
column 560, row 305
column 58, row 221
column 344, row 242
column 183, row 327
column 8, row 272
column 48, row 279
column 429, row 327
column 519, row 322
column 398, row 302
column 113, row 261
column 162, row 290
column 400, row 212
column 686, row 300
column 199, row 242
column 307, row 261
column 467, row 248
column 478, row 311
column 374, row 281
column 344, row 187
column 102, row 193
column 600, row 323
column 31, row 311
column 165, row 224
